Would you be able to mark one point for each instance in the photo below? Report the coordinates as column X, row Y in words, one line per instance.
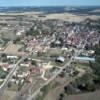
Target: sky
column 48, row 2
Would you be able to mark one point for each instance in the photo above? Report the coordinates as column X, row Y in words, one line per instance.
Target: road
column 4, row 85
column 18, row 94
column 9, row 76
column 33, row 96
column 7, row 79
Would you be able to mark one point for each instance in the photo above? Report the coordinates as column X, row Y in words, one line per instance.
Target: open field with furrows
column 12, row 49
column 8, row 95
column 86, row 96
column 22, row 13
column 71, row 17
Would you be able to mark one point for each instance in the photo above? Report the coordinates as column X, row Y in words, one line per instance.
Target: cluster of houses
column 53, row 36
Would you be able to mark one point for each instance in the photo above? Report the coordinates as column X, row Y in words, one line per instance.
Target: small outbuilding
column 60, row 59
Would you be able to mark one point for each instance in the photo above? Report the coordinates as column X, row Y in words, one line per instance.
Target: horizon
column 53, row 6
column 42, row 3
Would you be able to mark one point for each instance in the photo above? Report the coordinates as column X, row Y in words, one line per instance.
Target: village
column 36, row 52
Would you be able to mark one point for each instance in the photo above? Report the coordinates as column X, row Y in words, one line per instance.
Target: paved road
column 7, row 79
column 18, row 96
column 32, row 97
column 4, row 85
column 9, row 76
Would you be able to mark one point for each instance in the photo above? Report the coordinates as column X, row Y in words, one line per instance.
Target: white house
column 12, row 57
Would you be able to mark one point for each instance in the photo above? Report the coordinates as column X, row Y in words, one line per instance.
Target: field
column 8, row 95
column 12, row 49
column 65, row 16
column 70, row 17
column 87, row 96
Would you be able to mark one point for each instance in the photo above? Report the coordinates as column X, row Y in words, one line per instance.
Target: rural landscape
column 50, row 53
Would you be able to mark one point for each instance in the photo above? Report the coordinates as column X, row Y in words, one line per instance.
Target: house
column 57, row 42
column 25, row 64
column 29, row 48
column 5, row 67
column 19, row 33
column 24, row 74
column 35, row 70
column 84, row 59
column 91, row 52
column 64, row 49
column 12, row 57
column 60, row 59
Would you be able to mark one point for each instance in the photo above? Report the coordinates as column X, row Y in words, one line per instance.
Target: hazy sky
column 47, row 2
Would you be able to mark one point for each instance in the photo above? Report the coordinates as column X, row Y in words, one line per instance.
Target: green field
column 3, row 74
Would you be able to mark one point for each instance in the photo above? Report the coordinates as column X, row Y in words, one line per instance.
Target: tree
column 96, row 65
column 39, row 53
column 4, row 55
column 25, row 60
column 87, row 47
column 52, row 44
column 9, row 84
column 4, row 59
column 16, row 40
column 61, row 96
column 65, row 89
column 90, row 86
column 33, row 62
